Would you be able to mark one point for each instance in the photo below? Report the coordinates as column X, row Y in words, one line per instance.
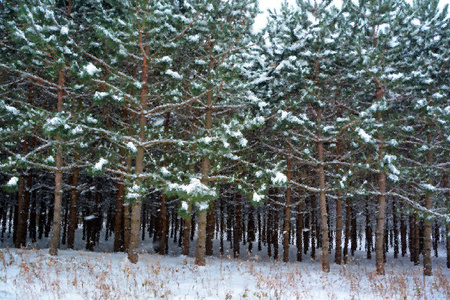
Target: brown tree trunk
column 187, row 233
column 323, row 210
column 313, row 227
column 395, row 224
column 427, row 266
column 20, row 228
column 119, row 218
column 163, row 234
column 73, row 207
column 403, row 234
column 57, row 206
column 237, row 231
column 348, row 214
column 133, row 246
column 210, row 224
column 287, row 214
column 368, row 232
column 379, row 235
column 338, row 251
column 416, row 241
column 201, row 238
column 299, row 232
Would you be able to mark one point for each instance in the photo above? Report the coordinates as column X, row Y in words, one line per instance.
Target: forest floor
column 78, row 274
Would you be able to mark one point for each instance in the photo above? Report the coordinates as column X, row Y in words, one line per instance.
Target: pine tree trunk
column 299, row 232
column 57, row 206
column 201, row 238
column 427, row 266
column 313, row 228
column 20, row 228
column 416, row 241
column 348, row 214
column 368, row 232
column 323, row 212
column 379, row 235
column 237, row 230
column 186, row 233
column 411, row 238
column 163, row 226
column 210, row 224
column 395, row 224
column 33, row 219
column 338, row 251
column 73, row 208
column 403, row 236
column 139, row 164
column 287, row 214
column 222, row 225
column 119, row 217
column 354, row 236
column 251, row 237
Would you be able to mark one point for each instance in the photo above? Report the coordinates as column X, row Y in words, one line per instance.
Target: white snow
column 279, row 178
column 131, row 147
column 174, row 74
column 367, row 138
column 91, row 69
column 34, row 274
column 64, row 30
column 13, row 181
column 256, row 197
column 12, row 110
column 100, row 164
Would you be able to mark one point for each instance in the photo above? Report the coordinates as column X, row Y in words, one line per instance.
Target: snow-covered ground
column 77, row 274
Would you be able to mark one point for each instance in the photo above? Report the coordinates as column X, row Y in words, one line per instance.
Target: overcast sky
column 266, row 4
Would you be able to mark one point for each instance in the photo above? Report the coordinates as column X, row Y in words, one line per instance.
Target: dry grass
column 81, row 275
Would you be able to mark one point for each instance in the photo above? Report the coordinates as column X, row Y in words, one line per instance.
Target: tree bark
column 57, row 206
column 187, row 233
column 427, row 266
column 338, row 251
column 119, row 218
column 300, row 232
column 73, row 207
column 368, row 232
column 210, row 224
column 325, row 256
column 287, row 214
column 237, row 231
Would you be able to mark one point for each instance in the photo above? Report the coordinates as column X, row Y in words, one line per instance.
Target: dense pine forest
column 173, row 121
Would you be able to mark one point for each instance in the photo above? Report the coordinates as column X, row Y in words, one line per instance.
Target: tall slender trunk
column 447, row 227
column 73, row 207
column 403, row 234
column 287, row 214
column 416, row 241
column 427, row 266
column 201, row 238
column 210, row 224
column 187, row 233
column 57, row 206
column 368, row 232
column 381, row 219
column 395, row 225
column 348, row 214
column 139, row 164
column 325, row 256
column 300, row 231
column 118, row 223
column 237, row 231
column 313, row 227
column 338, row 251
column 20, row 228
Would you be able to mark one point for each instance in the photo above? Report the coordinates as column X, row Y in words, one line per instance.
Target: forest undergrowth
column 25, row 273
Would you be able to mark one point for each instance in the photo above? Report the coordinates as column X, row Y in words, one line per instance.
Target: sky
column 264, row 5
